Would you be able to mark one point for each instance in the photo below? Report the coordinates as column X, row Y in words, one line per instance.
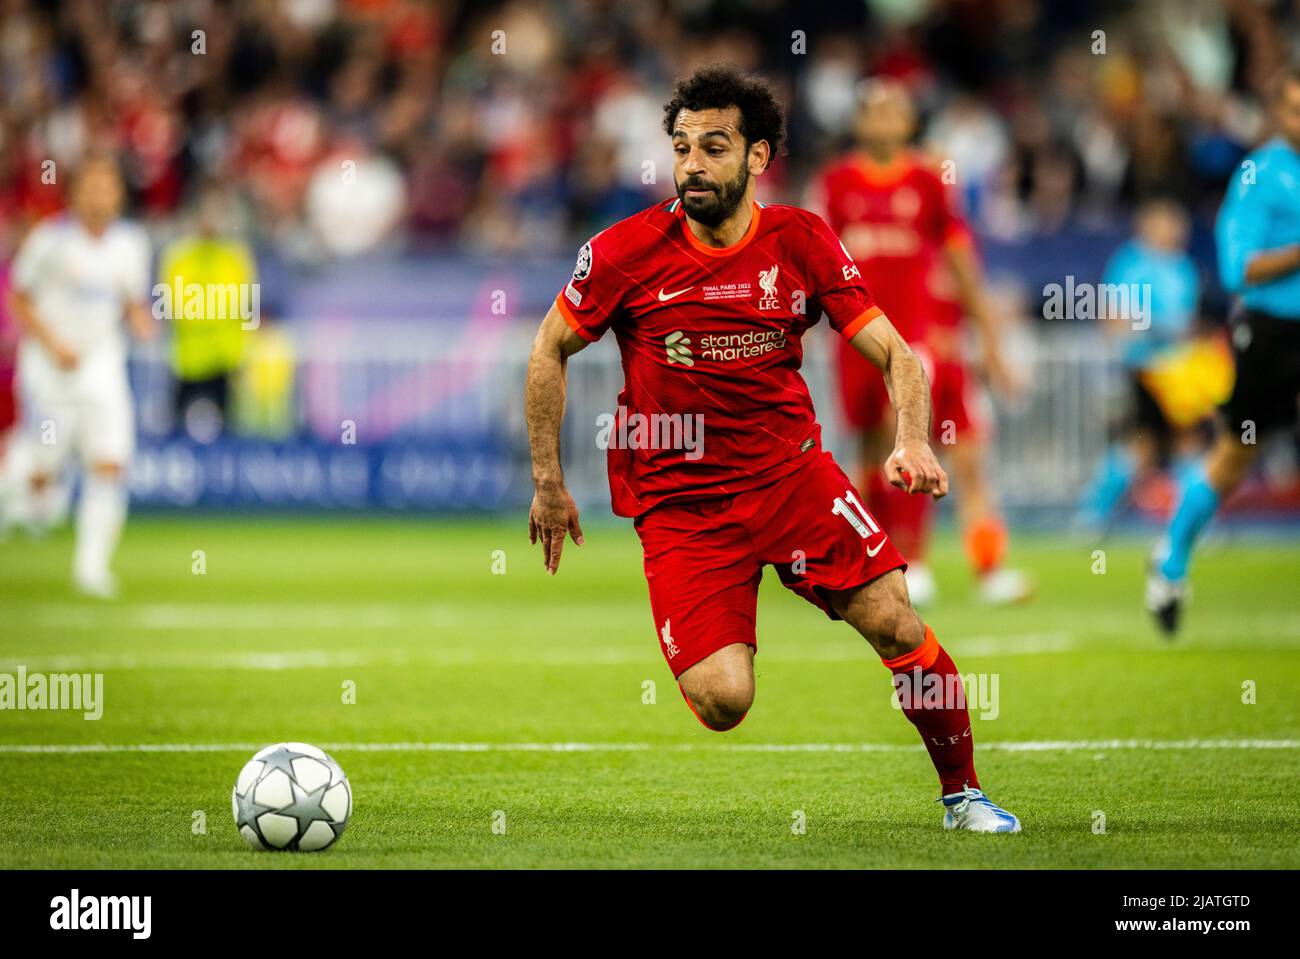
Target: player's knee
column 720, row 688
column 722, row 711
column 38, row 482
column 723, row 702
column 1228, row 463
column 896, row 630
column 112, row 472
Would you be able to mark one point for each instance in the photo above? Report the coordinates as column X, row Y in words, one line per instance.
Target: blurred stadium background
column 412, row 202
column 409, row 204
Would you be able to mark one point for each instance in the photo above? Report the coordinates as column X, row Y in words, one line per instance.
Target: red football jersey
column 713, row 402
column 893, row 220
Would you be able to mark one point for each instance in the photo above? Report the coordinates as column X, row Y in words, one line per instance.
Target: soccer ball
column 291, row 796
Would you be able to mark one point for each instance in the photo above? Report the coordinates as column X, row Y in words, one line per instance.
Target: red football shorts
column 704, row 558
column 955, row 399
column 864, row 400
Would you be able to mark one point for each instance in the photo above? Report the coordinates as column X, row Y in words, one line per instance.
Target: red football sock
column 945, row 726
column 986, row 544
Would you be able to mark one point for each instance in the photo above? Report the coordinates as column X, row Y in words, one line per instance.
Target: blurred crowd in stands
column 337, row 126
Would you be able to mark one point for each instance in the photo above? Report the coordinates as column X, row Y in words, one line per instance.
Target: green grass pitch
column 1097, row 715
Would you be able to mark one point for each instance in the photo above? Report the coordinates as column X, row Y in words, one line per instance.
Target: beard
column 712, row 210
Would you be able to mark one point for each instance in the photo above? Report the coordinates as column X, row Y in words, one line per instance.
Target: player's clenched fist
column 913, row 467
column 552, row 515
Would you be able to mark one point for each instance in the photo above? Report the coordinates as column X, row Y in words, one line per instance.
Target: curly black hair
column 722, row 85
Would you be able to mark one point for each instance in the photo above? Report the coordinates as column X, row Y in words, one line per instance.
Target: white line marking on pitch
column 182, row 659
column 232, row 616
column 1025, row 644
column 632, row 653
column 1032, row 746
column 1274, row 632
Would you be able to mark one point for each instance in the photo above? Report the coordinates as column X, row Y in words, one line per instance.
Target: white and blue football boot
column 971, row 810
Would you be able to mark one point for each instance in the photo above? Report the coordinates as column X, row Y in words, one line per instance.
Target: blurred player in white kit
column 76, row 278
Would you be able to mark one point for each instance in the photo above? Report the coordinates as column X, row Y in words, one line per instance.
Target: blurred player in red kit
column 716, row 452
column 898, row 220
column 8, row 399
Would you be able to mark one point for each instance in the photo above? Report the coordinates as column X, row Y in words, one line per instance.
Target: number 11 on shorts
column 857, row 515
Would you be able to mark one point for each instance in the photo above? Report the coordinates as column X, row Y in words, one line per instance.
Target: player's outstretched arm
column 912, row 466
column 24, row 313
column 553, row 513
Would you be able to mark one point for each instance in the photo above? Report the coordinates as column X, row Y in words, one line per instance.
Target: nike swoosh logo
column 668, row 296
column 879, row 546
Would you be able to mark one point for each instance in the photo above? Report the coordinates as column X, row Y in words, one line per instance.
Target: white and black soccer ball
column 291, row 796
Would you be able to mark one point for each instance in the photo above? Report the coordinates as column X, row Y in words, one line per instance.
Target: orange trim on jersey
column 884, row 174
column 923, row 656
column 563, row 306
column 861, row 320
column 722, row 250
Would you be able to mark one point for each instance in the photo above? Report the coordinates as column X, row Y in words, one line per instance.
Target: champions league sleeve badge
column 583, row 267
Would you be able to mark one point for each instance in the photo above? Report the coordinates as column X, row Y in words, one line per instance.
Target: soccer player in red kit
column 717, row 453
column 898, row 222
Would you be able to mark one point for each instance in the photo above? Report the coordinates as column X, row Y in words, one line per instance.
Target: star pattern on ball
column 306, row 807
column 303, row 806
column 248, row 810
column 282, row 759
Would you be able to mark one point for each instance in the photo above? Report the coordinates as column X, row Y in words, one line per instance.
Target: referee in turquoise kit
column 1258, row 240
